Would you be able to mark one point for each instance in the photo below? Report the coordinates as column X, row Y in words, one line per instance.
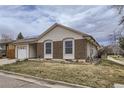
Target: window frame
column 68, row 47
column 45, row 49
column 73, row 48
column 48, row 48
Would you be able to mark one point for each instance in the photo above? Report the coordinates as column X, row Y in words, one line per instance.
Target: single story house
column 57, row 42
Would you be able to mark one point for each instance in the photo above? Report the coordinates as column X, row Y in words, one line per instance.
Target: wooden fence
column 10, row 51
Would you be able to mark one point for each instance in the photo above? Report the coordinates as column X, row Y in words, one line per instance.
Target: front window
column 48, row 48
column 68, row 47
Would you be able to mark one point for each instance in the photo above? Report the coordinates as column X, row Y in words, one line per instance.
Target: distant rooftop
column 27, row 39
column 5, row 41
column 31, row 37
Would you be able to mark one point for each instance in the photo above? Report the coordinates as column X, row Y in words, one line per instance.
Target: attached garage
column 22, row 51
column 26, row 48
column 26, row 51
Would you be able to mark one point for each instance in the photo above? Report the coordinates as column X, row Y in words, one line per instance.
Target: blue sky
column 98, row 21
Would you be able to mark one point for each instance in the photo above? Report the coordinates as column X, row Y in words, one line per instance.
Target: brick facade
column 80, row 49
column 58, row 50
column 40, row 50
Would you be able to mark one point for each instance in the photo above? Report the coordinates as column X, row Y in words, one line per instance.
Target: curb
column 46, row 80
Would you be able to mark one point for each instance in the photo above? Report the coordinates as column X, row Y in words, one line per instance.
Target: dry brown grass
column 104, row 74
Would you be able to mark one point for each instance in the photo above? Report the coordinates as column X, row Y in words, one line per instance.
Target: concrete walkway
column 7, row 61
column 118, row 86
column 116, row 61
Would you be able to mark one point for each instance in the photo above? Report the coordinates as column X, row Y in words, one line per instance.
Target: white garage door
column 22, row 52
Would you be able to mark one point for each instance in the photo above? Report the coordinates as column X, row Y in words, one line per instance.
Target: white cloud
column 98, row 21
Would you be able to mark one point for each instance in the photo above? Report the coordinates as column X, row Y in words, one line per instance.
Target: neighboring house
column 114, row 49
column 7, row 48
column 58, row 42
column 3, row 47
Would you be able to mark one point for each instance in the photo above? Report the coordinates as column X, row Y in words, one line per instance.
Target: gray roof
column 33, row 39
column 29, row 39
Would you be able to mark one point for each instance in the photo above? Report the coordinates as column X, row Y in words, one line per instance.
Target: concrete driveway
column 4, row 61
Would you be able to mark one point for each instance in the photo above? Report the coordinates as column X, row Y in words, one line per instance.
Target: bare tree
column 119, row 8
column 117, row 32
column 114, row 41
column 6, row 37
column 120, row 11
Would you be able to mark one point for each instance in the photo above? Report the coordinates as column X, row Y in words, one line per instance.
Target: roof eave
column 96, row 43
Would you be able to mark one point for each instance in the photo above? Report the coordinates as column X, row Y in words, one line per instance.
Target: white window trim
column 51, row 55
column 66, row 56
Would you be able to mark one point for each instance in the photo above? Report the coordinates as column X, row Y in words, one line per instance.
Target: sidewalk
column 7, row 61
column 114, row 60
column 118, row 86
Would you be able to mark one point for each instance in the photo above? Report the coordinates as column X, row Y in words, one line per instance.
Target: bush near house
column 104, row 74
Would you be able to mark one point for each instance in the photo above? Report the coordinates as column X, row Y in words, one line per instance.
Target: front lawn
column 104, row 74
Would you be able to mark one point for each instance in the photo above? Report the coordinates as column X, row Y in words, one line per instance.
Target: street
column 15, row 81
column 8, row 82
